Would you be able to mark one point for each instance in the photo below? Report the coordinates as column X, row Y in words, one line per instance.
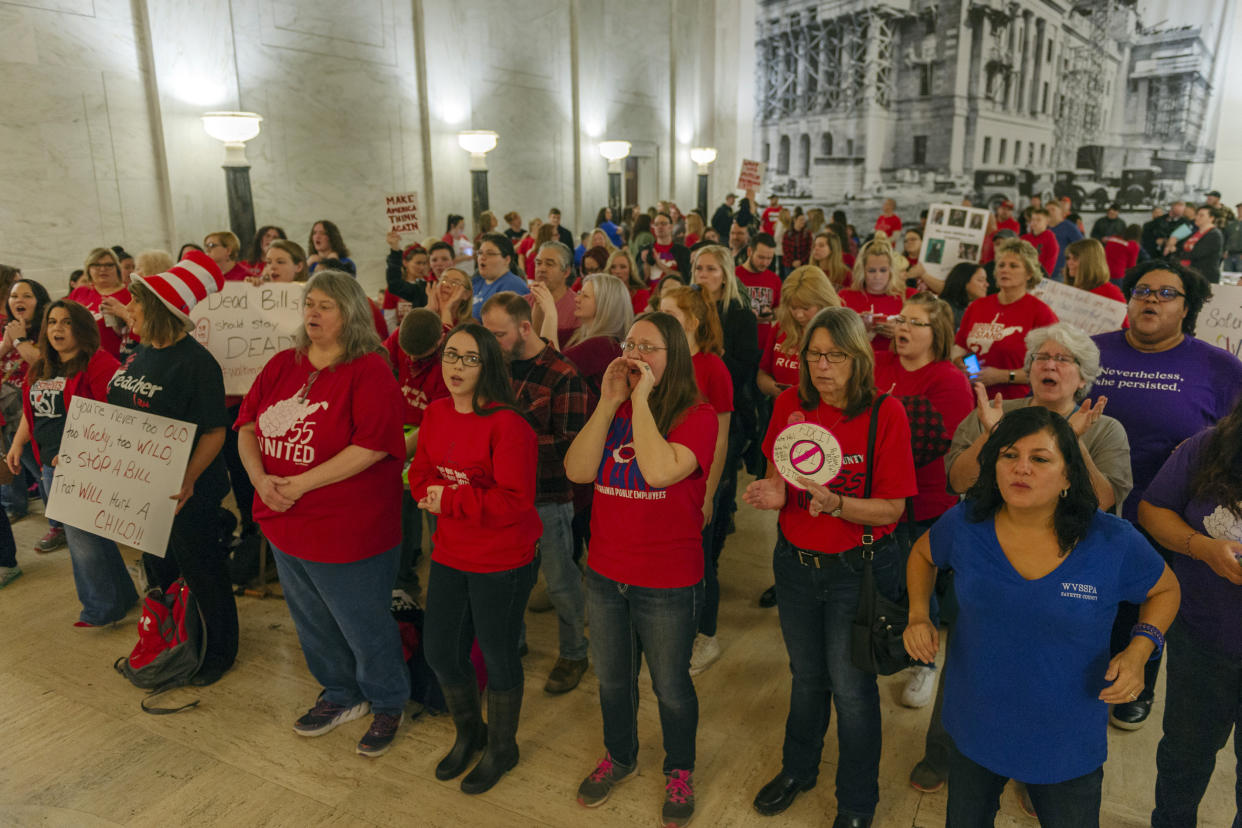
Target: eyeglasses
column 834, row 357
column 1063, row 359
column 453, row 283
column 469, row 360
column 904, row 320
column 1164, row 294
column 104, row 265
column 629, row 346
column 212, row 245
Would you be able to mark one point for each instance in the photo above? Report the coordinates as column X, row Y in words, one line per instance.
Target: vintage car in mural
column 992, row 185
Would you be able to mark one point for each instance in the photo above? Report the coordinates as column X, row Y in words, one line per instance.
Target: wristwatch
column 1012, row 376
column 836, row 513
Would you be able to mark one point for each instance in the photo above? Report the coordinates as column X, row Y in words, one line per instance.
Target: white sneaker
column 920, row 688
column 706, row 650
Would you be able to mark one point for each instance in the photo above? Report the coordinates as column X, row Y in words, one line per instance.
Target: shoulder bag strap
column 867, row 538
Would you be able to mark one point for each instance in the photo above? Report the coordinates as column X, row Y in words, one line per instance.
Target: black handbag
column 876, row 644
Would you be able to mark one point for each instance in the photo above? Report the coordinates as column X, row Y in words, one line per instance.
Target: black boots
column 503, row 708
column 463, row 704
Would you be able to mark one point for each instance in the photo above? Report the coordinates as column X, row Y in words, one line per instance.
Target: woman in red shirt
column 19, row 349
column 70, row 364
column 994, row 328
column 827, row 256
column 648, row 448
column 621, row 264
column 475, row 468
column 698, row 319
column 1086, row 268
column 602, row 309
column 106, row 297
column 320, row 435
column 818, row 559
column 879, row 291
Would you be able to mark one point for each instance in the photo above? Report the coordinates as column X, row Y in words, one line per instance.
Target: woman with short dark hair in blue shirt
column 1039, row 571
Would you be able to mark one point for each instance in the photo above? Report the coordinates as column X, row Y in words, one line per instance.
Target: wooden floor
column 76, row 750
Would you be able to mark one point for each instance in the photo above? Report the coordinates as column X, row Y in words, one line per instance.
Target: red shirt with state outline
column 301, row 423
column 421, row 380
column 997, row 334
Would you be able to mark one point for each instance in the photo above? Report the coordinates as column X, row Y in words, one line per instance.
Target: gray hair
column 358, row 335
column 563, row 253
column 1073, row 340
column 614, row 311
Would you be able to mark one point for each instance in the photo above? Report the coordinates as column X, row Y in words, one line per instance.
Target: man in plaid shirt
column 553, row 397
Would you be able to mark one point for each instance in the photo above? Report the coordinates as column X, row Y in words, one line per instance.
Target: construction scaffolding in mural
column 932, row 100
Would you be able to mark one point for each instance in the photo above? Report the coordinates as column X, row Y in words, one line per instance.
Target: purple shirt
column 1211, row 606
column 1163, row 398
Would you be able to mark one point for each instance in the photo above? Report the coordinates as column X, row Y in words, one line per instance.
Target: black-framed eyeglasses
column 108, row 265
column 1164, row 294
column 1063, row 359
column 905, row 320
column 629, row 346
column 835, row 357
column 469, row 360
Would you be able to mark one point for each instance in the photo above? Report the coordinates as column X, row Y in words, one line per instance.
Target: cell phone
column 971, row 361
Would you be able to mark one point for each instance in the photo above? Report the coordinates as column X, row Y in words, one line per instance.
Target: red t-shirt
column 642, row 535
column 937, row 397
column 1009, row 224
column 592, row 357
column 889, row 224
column 997, row 333
column 487, row 465
column 883, row 305
column 54, row 395
column 91, row 299
column 691, row 239
column 377, row 318
column 640, row 299
column 300, row 427
column 1047, row 246
column 767, row 219
column 714, row 381
column 781, row 366
column 1109, row 291
column 421, row 381
column 893, row 472
column 1121, row 255
column 238, row 272
column 764, row 290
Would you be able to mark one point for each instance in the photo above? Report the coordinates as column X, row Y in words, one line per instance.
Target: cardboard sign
column 953, row 234
column 751, row 176
column 117, row 472
column 402, row 211
column 1220, row 321
column 806, row 450
column 244, row 325
column 1088, row 312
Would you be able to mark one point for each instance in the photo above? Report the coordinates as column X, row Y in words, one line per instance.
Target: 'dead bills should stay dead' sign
column 117, row 472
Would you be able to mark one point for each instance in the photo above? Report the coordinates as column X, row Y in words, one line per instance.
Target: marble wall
column 101, row 140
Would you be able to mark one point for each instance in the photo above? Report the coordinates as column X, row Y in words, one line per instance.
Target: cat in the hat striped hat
column 185, row 284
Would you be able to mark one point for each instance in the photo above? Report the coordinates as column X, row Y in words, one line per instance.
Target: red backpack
column 172, row 642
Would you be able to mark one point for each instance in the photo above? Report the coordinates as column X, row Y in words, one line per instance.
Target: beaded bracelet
column 1189, row 538
column 1153, row 634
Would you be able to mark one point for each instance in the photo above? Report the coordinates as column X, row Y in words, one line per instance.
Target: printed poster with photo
column 953, row 234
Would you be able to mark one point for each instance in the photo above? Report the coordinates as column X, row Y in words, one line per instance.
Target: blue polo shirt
column 1067, row 233
column 1028, row 657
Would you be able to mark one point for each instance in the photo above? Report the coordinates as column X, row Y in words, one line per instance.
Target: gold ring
column 1133, row 696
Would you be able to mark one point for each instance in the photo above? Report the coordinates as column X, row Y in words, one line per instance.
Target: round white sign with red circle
column 807, row 450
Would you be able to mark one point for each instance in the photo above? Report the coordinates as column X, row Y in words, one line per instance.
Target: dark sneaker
column 325, row 715
column 926, row 778
column 678, row 800
column 379, row 736
column 9, row 574
column 565, row 675
column 53, row 540
column 595, row 789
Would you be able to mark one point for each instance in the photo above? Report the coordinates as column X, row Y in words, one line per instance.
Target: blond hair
column 879, row 247
column 807, row 286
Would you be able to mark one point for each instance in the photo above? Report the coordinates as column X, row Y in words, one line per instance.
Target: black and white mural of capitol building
column 1101, row 100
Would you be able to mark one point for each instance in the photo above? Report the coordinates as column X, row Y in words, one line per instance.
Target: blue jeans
column 817, row 608
column 347, row 632
column 563, row 576
column 45, row 487
column 103, row 583
column 1202, row 707
column 628, row 622
column 974, row 798
column 488, row 605
column 8, row 544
